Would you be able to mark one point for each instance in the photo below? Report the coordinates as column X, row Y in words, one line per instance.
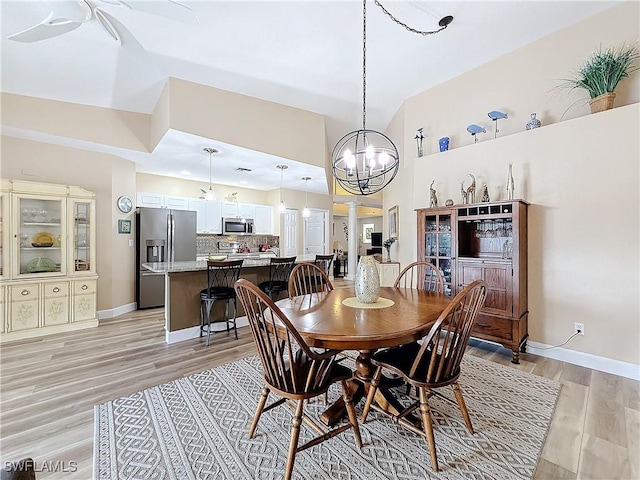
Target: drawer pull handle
column 84, row 287
column 56, row 289
column 483, row 325
column 24, row 293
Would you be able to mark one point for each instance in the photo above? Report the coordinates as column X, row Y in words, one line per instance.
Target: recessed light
column 185, row 172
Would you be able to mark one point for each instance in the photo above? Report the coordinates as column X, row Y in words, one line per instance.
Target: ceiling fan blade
column 106, row 21
column 50, row 27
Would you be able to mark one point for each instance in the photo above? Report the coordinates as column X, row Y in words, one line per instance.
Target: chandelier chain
column 364, row 64
column 413, row 30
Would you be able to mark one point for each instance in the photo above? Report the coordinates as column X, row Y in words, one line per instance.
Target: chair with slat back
column 324, row 262
column 279, row 271
column 308, row 278
column 221, row 277
column 421, row 275
column 433, row 364
column 291, row 369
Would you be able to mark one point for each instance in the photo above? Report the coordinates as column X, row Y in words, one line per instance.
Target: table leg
column 359, row 387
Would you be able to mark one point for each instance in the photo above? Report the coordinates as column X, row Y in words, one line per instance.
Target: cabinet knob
column 24, row 292
column 84, row 287
column 56, row 289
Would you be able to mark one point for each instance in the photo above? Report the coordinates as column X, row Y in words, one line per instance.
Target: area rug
column 196, row 428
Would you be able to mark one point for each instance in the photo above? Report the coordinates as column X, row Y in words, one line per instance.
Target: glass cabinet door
column 4, row 234
column 438, row 245
column 40, row 236
column 82, row 217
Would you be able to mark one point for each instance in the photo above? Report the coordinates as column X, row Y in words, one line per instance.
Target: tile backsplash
column 207, row 243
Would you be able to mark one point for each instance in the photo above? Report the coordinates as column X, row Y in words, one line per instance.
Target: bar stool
column 324, row 262
column 279, row 271
column 221, row 277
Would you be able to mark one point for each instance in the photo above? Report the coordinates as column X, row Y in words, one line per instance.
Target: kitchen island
column 185, row 280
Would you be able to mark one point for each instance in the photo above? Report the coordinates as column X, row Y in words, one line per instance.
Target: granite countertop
column 194, row 266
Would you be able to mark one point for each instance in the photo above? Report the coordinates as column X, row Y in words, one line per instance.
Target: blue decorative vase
column 444, row 144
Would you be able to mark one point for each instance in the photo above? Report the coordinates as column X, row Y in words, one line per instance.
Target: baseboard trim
column 194, row 332
column 114, row 312
column 603, row 364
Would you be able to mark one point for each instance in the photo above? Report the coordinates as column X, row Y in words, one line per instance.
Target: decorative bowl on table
column 217, row 258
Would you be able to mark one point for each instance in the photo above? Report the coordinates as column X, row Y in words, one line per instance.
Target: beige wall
column 107, row 176
column 580, row 174
column 249, row 122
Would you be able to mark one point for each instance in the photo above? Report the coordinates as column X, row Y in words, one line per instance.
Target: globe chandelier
column 365, row 161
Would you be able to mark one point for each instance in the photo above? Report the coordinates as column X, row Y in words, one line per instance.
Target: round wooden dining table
column 325, row 321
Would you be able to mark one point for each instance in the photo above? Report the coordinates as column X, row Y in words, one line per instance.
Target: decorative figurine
column 495, row 115
column 485, row 194
column 418, row 138
column 449, row 202
column 471, row 191
column 533, row 123
column 443, row 143
column 510, row 183
column 433, row 199
column 473, row 129
column 465, row 197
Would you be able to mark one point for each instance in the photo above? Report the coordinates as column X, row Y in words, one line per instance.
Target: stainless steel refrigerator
column 162, row 236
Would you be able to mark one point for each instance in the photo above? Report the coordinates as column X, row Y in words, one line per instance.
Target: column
column 352, row 247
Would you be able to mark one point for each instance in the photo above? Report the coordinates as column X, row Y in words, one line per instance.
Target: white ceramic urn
column 367, row 280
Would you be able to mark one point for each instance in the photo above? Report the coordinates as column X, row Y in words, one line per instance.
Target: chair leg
column 235, row 315
column 209, row 305
column 463, row 407
column 256, row 416
column 295, row 434
column 428, row 427
column 351, row 412
column 375, row 381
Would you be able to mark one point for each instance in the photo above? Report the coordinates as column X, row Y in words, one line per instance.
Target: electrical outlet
column 578, row 327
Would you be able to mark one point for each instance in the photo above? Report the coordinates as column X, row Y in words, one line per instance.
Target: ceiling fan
column 68, row 15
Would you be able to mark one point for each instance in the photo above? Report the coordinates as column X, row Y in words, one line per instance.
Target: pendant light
column 365, row 161
column 209, row 195
column 305, row 211
column 281, row 206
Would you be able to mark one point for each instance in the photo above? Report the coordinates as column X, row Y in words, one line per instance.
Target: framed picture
column 124, row 226
column 367, row 229
column 393, row 222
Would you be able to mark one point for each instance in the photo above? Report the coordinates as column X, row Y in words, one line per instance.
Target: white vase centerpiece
column 367, row 280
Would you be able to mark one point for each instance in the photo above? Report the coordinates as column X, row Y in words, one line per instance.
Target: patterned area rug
column 196, row 428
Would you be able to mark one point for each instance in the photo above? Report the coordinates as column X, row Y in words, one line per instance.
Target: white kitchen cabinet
column 263, row 219
column 198, row 205
column 51, row 246
column 247, row 210
column 213, row 212
column 208, row 215
column 159, row 200
column 230, row 209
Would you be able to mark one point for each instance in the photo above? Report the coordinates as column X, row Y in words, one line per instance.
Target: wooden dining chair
column 291, row 369
column 433, row 364
column 421, row 275
column 308, row 278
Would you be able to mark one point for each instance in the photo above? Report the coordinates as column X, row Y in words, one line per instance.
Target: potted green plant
column 602, row 72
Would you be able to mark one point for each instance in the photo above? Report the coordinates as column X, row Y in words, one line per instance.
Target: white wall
column 580, row 173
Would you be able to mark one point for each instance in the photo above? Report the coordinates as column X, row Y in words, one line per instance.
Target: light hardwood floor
column 48, row 387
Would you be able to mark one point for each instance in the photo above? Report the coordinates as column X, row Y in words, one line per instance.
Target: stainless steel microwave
column 237, row 226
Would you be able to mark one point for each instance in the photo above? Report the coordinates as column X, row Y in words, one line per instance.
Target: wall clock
column 125, row 205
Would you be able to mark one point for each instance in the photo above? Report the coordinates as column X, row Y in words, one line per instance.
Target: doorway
column 315, row 239
column 289, row 246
